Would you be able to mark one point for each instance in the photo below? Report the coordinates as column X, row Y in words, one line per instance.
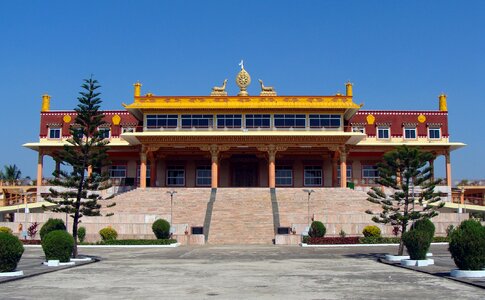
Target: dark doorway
column 244, row 171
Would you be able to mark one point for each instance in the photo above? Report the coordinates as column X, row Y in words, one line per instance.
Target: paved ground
column 238, row 272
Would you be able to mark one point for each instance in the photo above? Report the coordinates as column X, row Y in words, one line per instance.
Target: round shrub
column 58, row 245
column 467, row 245
column 424, row 225
column 317, row 229
column 81, row 234
column 161, row 229
column 371, row 231
column 417, row 242
column 11, row 250
column 108, row 234
column 6, row 230
column 51, row 225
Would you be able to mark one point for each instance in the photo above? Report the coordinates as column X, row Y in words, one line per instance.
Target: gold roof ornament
column 266, row 90
column 220, row 90
column 243, row 80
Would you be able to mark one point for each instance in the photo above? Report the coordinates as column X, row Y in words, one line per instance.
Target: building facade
column 250, row 141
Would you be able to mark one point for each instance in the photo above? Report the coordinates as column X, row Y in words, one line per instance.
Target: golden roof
column 237, row 102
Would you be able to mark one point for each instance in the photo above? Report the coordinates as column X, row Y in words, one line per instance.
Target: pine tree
column 401, row 170
column 85, row 149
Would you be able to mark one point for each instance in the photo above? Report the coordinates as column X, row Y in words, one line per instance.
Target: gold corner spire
column 137, row 86
column 442, row 102
column 46, row 102
column 243, row 80
column 348, row 87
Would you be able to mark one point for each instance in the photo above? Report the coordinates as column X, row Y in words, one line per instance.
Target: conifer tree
column 76, row 193
column 403, row 170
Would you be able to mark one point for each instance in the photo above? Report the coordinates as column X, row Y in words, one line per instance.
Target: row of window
column 56, row 132
column 313, row 175
column 246, row 121
column 409, row 133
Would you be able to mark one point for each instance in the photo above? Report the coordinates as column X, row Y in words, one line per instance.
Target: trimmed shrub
column 51, row 225
column 424, row 225
column 161, row 229
column 371, row 231
column 317, row 229
column 467, row 245
column 11, row 250
column 417, row 242
column 379, row 240
column 139, row 242
column 81, row 234
column 58, row 244
column 6, row 230
column 108, row 234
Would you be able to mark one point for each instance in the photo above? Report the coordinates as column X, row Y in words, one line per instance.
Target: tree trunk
column 401, row 243
column 75, row 221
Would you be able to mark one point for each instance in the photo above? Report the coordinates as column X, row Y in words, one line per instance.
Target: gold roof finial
column 243, row 80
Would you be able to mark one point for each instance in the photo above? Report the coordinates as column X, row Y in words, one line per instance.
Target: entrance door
column 244, row 173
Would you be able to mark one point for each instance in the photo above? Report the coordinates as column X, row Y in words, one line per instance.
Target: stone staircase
column 189, row 205
column 242, row 216
column 337, row 208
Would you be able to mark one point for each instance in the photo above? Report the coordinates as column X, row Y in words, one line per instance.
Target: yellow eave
column 117, row 142
column 452, row 145
column 353, row 137
column 21, row 207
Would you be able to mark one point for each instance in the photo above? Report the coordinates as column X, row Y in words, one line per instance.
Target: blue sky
column 398, row 54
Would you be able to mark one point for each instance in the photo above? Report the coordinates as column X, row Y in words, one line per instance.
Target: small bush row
column 138, row 242
column 332, row 240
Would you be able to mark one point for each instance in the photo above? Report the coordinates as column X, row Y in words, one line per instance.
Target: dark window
column 289, row 121
column 229, row 121
column 117, row 171
column 383, row 132
column 434, row 133
column 258, row 121
column 197, row 121
column 369, row 171
column 313, row 176
column 176, row 176
column 104, row 132
column 55, row 133
column 410, row 132
column 162, row 121
column 203, row 176
column 284, row 176
column 324, row 121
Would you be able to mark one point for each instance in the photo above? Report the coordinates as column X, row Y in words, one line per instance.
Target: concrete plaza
column 237, row 272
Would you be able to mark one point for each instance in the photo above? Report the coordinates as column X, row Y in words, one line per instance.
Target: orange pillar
column 448, row 169
column 40, row 163
column 431, row 165
column 343, row 169
column 214, row 167
column 143, row 169
column 272, row 168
